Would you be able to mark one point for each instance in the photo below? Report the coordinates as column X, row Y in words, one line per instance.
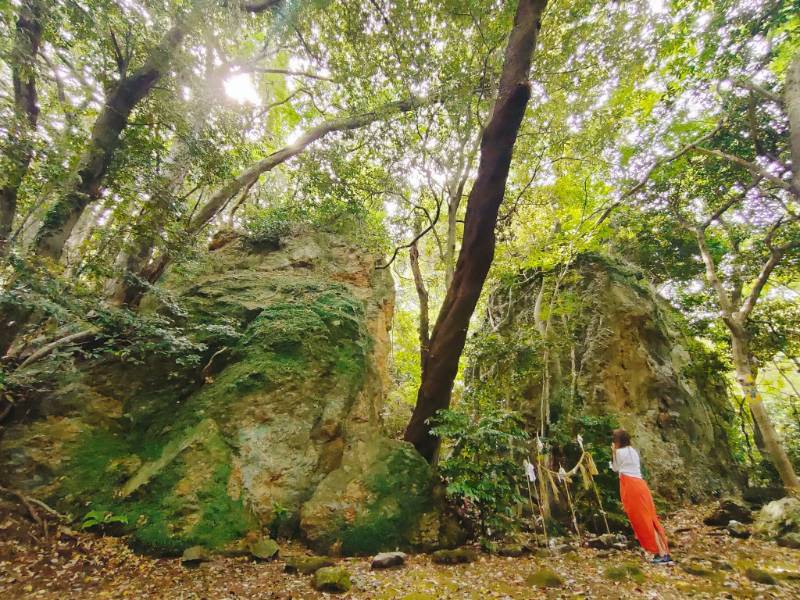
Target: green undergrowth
column 595, row 431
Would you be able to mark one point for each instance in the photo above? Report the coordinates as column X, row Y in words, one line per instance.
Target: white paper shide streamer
column 530, row 471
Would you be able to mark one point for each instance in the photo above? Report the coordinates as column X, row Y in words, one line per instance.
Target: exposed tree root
column 29, row 504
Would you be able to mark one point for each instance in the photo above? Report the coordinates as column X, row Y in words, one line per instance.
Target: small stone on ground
column 385, row 560
column 332, row 579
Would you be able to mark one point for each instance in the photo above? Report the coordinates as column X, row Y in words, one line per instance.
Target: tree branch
column 417, row 237
column 752, row 167
column 221, row 196
column 711, row 272
column 286, row 72
column 118, row 57
column 655, row 166
column 69, row 339
column 761, row 91
column 717, row 214
column 775, row 257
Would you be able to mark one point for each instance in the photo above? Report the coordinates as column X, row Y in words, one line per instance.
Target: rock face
column 379, row 498
column 607, row 352
column 275, row 427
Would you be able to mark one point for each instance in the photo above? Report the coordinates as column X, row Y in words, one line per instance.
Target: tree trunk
column 136, row 286
column 477, row 248
column 450, row 242
column 126, row 286
column 743, row 364
column 26, row 114
column 455, row 191
column 103, row 143
column 422, row 294
column 791, row 99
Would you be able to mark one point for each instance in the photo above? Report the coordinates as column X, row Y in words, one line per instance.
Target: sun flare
column 242, row 89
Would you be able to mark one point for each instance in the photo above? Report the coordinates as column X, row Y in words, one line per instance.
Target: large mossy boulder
column 275, row 405
column 616, row 355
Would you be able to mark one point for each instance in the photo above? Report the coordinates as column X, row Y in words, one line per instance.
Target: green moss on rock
column 454, row 557
column 292, row 344
column 263, row 549
column 332, row 579
column 544, row 578
column 760, row 576
column 640, row 369
column 307, row 565
column 373, row 502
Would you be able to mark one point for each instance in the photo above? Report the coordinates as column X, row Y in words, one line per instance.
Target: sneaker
column 663, row 560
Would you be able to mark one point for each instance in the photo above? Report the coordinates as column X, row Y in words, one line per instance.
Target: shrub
column 482, row 473
column 267, row 227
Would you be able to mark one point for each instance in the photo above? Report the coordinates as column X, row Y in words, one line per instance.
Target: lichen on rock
column 374, row 501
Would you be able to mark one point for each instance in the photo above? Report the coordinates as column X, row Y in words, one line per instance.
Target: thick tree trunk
column 477, row 248
column 26, row 114
column 103, row 143
column 743, row 364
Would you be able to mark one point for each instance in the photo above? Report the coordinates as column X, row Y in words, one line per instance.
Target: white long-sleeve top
column 625, row 461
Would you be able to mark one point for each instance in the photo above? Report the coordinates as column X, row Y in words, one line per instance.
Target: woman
column 636, row 498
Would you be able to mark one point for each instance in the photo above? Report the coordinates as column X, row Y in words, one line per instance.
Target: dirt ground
column 64, row 565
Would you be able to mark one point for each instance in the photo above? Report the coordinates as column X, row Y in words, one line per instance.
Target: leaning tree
column 477, row 246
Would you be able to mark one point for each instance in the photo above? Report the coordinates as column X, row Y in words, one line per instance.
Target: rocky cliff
column 276, row 427
column 604, row 351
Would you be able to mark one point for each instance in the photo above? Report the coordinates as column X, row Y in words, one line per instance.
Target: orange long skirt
column 638, row 504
